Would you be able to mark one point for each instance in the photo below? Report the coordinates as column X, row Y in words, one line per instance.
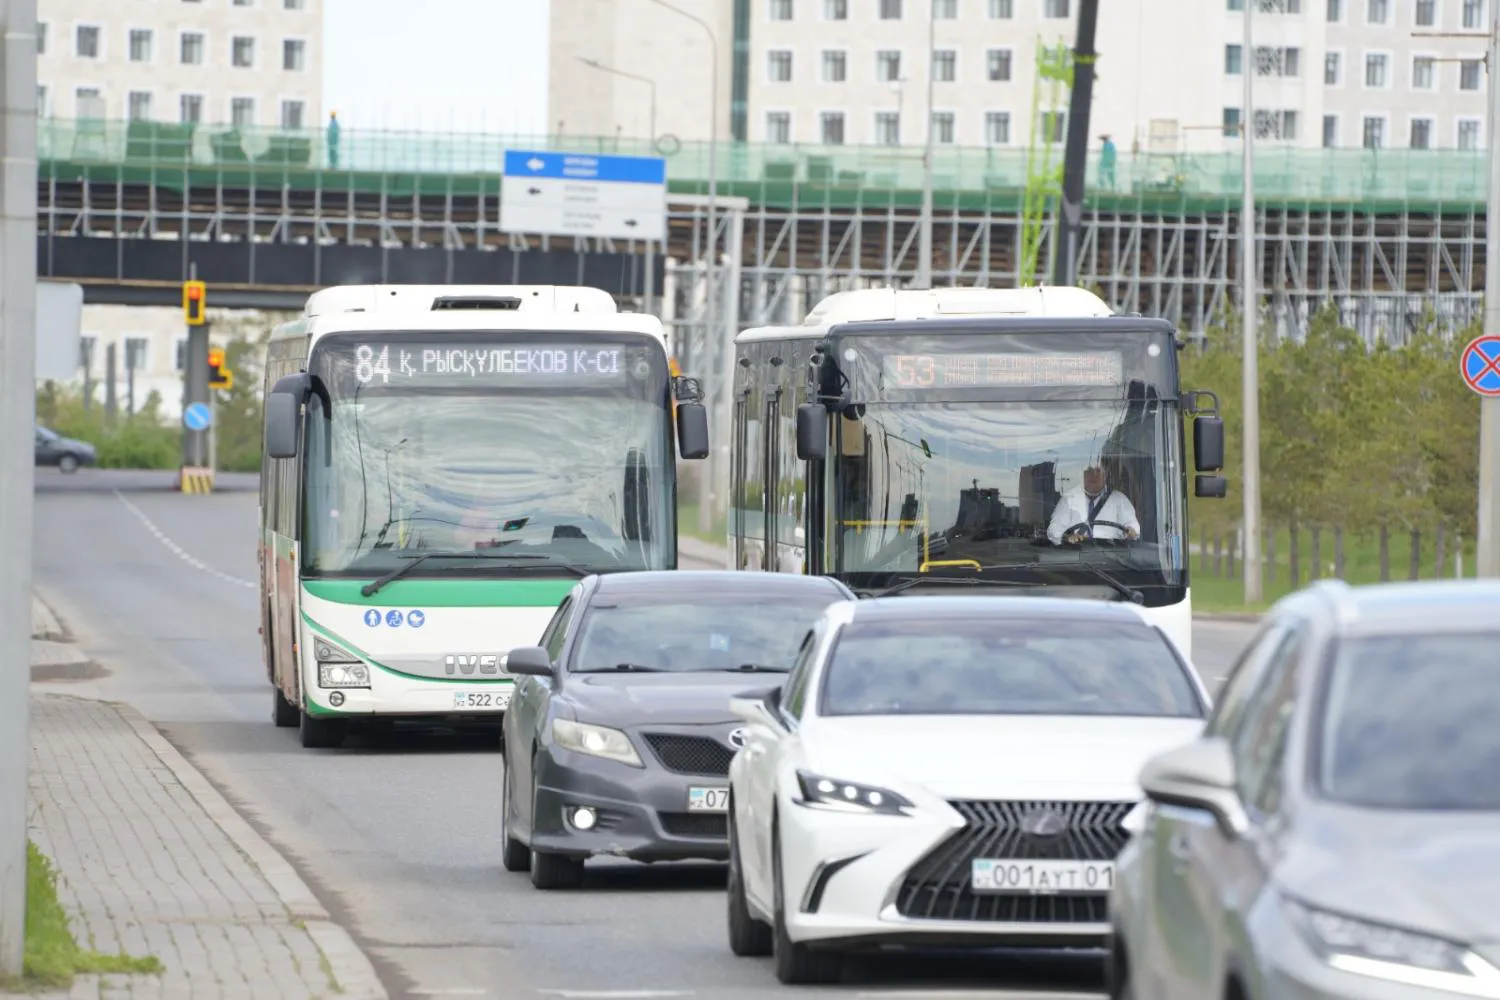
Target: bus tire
column 319, row 733
column 284, row 713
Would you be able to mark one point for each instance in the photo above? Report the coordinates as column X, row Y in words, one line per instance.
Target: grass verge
column 53, row 957
column 687, row 524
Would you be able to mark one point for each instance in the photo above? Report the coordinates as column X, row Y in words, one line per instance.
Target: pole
column 1076, row 154
column 111, row 377
column 129, row 380
column 924, row 222
column 195, row 380
column 1252, row 556
column 17, row 457
column 1487, row 562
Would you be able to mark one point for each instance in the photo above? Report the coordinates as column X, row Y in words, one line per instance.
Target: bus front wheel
column 320, row 733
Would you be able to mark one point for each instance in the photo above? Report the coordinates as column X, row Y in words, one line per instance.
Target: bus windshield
column 514, row 457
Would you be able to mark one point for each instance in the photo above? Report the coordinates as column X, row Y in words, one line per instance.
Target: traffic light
column 194, row 302
column 219, row 377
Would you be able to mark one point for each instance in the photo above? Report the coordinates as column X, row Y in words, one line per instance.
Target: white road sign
column 578, row 194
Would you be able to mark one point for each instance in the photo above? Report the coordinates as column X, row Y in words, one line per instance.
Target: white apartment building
column 845, row 72
column 242, row 62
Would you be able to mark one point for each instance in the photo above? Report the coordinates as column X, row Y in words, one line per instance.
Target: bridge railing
column 1282, row 174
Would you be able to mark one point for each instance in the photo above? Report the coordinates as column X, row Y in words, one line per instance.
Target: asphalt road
column 398, row 837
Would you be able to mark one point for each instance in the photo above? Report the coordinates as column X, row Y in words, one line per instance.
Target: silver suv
column 1335, row 831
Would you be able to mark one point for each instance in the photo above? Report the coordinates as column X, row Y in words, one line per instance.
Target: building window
column 1468, row 74
column 1275, row 124
column 1421, row 133
column 1377, row 11
column 243, row 48
column 1054, row 126
column 135, row 354
column 890, row 10
column 997, row 65
column 942, row 128
column 190, row 109
column 293, row 115
column 1234, row 60
column 179, row 355
column 1375, row 64
column 1374, row 132
column 1422, row 69
column 243, row 3
column 139, row 104
column 945, row 10
column 781, row 10
column 89, row 102
column 1332, row 65
column 1278, row 61
column 1330, row 131
column 835, row 10
column 997, row 128
column 1231, row 122
column 41, row 38
column 1055, row 8
column 888, row 128
column 41, row 101
column 1473, row 14
column 86, row 42
column 945, row 66
column 1426, row 15
column 242, row 112
column 1291, row 61
column 1002, row 10
column 1234, row 5
column 835, row 66
column 293, row 55
column 190, row 49
column 293, row 4
column 779, row 66
column 831, row 128
column 778, row 126
column 1335, row 11
column 140, row 45
column 1468, row 134
column 888, row 66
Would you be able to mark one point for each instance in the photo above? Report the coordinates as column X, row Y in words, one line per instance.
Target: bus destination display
column 999, row 371
column 513, row 363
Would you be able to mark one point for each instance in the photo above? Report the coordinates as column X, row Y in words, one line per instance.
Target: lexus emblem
column 737, row 737
column 1043, row 823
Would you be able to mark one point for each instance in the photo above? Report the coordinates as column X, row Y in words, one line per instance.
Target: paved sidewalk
column 151, row 860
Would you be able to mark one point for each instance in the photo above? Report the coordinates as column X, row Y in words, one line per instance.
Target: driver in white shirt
column 1094, row 501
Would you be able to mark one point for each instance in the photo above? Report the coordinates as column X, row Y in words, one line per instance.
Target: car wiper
column 960, row 581
column 1126, row 592
column 624, row 668
column 416, row 560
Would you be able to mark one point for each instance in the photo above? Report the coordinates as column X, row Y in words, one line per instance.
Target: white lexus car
column 947, row 771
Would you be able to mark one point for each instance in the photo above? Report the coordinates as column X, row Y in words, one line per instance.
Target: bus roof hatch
column 430, row 298
column 865, row 304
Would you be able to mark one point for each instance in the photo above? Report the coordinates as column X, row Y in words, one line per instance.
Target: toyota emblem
column 737, row 737
column 1043, row 823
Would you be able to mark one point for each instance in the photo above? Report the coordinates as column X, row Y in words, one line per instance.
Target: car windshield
column 979, row 666
column 1409, row 722
column 695, row 633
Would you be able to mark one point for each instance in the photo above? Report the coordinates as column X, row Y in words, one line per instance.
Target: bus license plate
column 1042, row 877
column 492, row 701
column 708, row 800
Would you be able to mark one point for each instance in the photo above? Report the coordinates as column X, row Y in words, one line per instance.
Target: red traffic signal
column 194, row 302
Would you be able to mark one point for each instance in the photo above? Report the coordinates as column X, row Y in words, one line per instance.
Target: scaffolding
column 1054, row 78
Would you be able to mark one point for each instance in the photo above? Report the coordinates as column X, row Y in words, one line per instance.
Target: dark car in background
column 619, row 735
column 64, row 453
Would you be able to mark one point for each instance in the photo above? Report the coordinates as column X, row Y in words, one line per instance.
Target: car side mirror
column 812, row 432
column 1210, row 487
column 1199, row 775
column 281, row 424
column 1208, row 444
column 529, row 661
column 758, row 707
column 692, row 430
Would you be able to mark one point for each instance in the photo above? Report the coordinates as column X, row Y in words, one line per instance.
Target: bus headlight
column 343, row 675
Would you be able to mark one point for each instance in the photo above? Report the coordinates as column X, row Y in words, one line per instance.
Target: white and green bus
column 441, row 464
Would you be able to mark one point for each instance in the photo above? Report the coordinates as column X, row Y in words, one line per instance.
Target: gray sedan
column 1334, row 832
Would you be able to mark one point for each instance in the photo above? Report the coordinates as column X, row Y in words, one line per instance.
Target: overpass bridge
column 1389, row 236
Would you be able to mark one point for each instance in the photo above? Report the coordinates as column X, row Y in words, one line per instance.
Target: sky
column 466, row 65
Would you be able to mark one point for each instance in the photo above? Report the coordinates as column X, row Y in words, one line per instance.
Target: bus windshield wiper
column 961, row 581
column 1126, row 592
column 623, row 668
column 417, row 560
column 755, row 668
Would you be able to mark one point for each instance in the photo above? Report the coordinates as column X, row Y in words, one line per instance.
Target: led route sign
column 985, row 371
column 380, row 363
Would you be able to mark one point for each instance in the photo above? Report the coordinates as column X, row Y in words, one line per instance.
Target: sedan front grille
column 939, row 886
column 691, row 754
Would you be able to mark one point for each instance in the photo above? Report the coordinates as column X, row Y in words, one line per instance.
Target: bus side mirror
column 692, row 430
column 281, row 424
column 1210, row 487
column 812, row 432
column 1208, row 444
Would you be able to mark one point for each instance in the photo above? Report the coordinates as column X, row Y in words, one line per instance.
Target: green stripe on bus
column 332, row 636
column 454, row 593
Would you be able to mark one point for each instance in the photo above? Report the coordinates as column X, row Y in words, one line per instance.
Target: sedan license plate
column 491, row 701
column 710, row 800
column 1042, row 877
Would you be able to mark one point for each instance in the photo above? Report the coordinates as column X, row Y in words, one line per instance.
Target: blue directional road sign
column 579, row 194
column 197, row 417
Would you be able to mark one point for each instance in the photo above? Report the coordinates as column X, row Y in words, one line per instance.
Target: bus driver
column 1094, row 501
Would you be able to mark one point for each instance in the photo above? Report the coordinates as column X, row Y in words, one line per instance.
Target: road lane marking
column 178, row 550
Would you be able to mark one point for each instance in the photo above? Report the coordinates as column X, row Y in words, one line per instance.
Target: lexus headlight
column 832, row 793
column 1393, row 954
column 338, row 668
column 596, row 741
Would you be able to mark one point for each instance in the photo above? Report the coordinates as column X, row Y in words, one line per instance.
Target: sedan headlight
column 849, row 796
column 339, row 668
column 1393, row 954
column 596, row 741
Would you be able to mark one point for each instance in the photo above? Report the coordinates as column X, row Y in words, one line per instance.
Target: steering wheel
column 1087, row 530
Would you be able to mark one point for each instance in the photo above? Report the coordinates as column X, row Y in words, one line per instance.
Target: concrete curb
column 696, row 548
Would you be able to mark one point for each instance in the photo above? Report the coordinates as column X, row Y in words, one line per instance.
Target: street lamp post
column 924, row 222
column 1251, row 375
